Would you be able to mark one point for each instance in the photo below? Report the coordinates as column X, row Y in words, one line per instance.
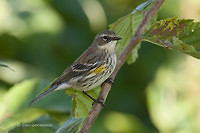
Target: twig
column 94, row 112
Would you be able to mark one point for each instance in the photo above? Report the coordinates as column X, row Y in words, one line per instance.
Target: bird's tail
column 52, row 88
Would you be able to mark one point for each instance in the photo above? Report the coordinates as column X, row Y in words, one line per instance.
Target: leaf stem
column 96, row 108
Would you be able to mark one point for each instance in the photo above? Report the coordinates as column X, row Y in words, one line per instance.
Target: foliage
column 81, row 104
column 70, row 126
column 178, row 34
column 126, row 26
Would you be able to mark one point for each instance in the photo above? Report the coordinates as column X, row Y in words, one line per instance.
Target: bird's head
column 106, row 39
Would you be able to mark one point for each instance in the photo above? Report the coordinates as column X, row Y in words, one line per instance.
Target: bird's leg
column 89, row 96
column 94, row 100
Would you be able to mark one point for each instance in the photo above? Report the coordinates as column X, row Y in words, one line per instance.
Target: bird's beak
column 117, row 38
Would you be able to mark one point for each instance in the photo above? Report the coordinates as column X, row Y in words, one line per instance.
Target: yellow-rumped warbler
column 91, row 69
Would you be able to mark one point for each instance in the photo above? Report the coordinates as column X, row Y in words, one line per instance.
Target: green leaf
column 144, row 5
column 16, row 98
column 181, row 35
column 126, row 26
column 81, row 104
column 70, row 126
column 15, row 101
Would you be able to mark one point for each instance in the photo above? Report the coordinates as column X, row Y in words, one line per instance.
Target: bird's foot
column 98, row 100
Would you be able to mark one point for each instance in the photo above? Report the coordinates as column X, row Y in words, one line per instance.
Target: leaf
column 181, row 35
column 6, row 66
column 70, row 126
column 16, row 98
column 126, row 26
column 81, row 104
column 15, row 101
column 144, row 5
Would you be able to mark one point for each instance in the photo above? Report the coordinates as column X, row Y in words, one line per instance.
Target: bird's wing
column 83, row 65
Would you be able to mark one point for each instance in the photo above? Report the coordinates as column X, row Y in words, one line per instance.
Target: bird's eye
column 105, row 38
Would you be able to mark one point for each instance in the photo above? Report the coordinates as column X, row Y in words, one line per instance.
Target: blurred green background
column 40, row 38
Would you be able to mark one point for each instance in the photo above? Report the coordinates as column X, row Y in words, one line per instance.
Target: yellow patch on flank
column 99, row 69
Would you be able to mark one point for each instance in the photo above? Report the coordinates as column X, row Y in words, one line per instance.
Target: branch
column 96, row 108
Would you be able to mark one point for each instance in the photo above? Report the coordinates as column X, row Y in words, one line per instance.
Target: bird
column 91, row 69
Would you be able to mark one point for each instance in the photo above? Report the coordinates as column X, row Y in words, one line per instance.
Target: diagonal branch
column 94, row 112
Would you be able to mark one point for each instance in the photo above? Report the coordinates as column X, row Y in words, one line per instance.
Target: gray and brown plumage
column 91, row 69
